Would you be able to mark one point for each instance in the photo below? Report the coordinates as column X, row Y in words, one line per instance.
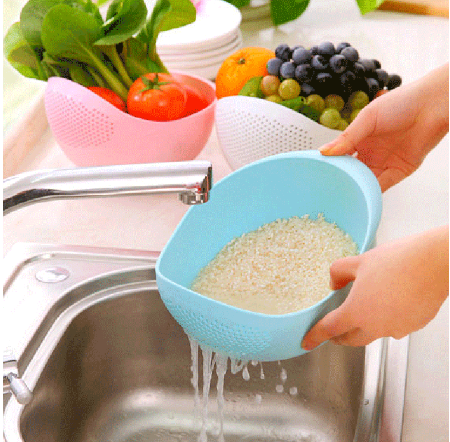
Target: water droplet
column 262, row 376
column 279, row 388
column 293, row 391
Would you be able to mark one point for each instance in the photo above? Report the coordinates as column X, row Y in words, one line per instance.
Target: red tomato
column 109, row 95
column 195, row 100
column 157, row 97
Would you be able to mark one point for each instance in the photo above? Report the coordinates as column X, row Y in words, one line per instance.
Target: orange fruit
column 239, row 67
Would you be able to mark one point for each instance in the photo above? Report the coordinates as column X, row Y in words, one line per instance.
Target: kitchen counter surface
column 409, row 45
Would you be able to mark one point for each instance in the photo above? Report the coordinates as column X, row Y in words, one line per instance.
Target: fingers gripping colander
column 281, row 186
column 249, row 129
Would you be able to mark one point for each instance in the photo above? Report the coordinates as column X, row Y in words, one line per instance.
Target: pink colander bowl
column 92, row 132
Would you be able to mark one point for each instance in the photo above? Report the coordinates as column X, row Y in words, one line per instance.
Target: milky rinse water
column 217, row 363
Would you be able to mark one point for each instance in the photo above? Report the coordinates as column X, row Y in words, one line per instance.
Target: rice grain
column 281, row 267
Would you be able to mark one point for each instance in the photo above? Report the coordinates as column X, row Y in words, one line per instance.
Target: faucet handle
column 19, row 389
column 12, row 383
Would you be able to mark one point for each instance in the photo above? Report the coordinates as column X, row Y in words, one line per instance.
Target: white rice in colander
column 282, row 267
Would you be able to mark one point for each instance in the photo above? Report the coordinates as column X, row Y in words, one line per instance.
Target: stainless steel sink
column 107, row 363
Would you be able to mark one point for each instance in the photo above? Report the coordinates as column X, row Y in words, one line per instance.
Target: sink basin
column 106, row 362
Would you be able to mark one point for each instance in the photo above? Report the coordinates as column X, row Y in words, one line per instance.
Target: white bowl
column 203, row 54
column 207, row 60
column 249, row 129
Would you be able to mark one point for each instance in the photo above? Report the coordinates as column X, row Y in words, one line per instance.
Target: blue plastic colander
column 280, row 186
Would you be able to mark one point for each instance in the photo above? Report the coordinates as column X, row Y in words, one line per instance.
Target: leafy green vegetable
column 294, row 103
column 82, row 76
column 70, row 33
column 309, row 112
column 31, row 18
column 299, row 105
column 239, row 3
column 180, row 13
column 166, row 15
column 21, row 55
column 137, row 60
column 69, row 38
column 283, row 11
column 366, row 6
column 123, row 19
column 252, row 88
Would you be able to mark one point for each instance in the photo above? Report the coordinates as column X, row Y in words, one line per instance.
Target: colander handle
column 192, row 180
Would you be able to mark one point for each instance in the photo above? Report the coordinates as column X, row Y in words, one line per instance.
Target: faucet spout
column 191, row 180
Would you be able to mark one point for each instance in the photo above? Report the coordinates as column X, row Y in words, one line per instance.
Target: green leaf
column 55, row 67
column 21, row 55
column 239, row 3
column 136, row 60
column 80, row 75
column 34, row 11
column 366, row 6
column 166, row 15
column 69, row 32
column 310, row 112
column 252, row 88
column 182, row 13
column 86, row 6
column 294, row 103
column 149, row 32
column 62, row 67
column 283, row 11
column 124, row 18
column 31, row 18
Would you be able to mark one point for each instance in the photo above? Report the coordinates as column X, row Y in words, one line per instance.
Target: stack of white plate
column 200, row 47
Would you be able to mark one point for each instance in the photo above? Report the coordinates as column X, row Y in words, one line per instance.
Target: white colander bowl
column 92, row 132
column 249, row 129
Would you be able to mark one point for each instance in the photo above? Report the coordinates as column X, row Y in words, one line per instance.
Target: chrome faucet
column 191, row 180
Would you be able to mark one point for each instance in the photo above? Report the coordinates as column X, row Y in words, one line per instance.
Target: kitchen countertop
column 410, row 45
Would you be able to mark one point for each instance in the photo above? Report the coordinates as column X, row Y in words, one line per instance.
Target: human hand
column 393, row 133
column 398, row 288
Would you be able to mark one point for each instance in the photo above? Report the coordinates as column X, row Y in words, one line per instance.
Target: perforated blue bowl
column 280, row 186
